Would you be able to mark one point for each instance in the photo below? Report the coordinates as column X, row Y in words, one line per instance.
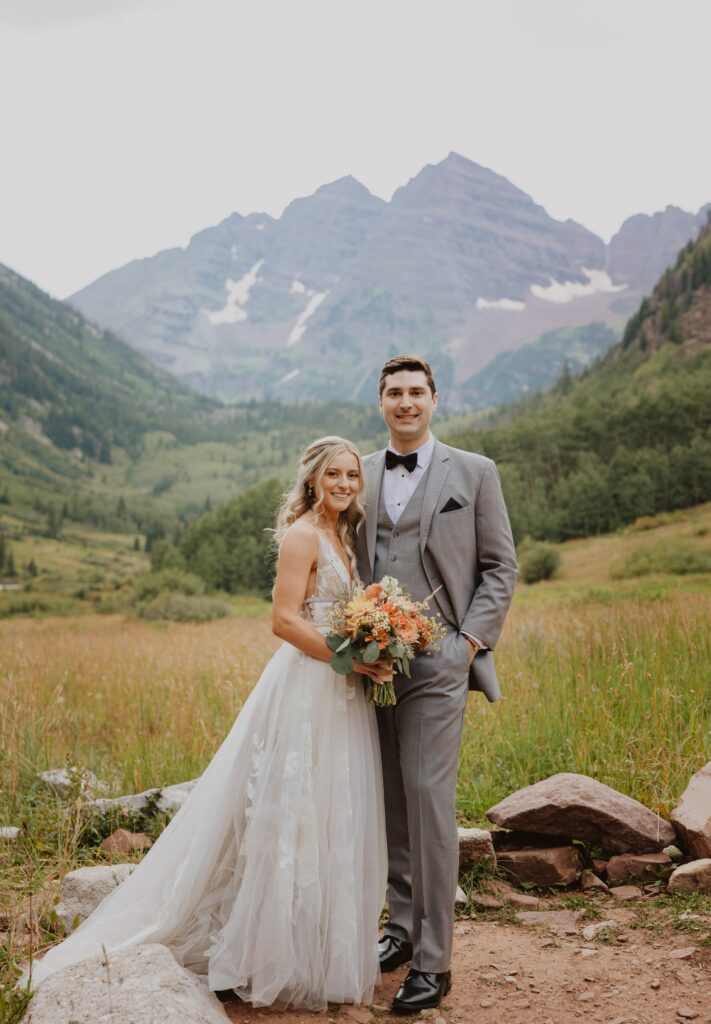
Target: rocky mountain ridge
column 460, row 265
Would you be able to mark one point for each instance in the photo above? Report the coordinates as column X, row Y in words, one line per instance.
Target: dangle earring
column 309, row 491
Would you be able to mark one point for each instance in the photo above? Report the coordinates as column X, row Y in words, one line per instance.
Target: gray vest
column 397, row 547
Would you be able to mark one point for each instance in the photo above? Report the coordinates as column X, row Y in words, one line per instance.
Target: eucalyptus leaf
column 334, row 641
column 371, row 653
column 342, row 662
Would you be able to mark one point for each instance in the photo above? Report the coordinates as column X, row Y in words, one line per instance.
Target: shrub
column 538, row 560
column 151, row 584
column 165, row 556
column 677, row 558
column 184, row 608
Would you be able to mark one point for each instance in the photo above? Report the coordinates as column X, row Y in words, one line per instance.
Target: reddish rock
column 496, row 887
column 557, row 865
column 522, row 901
column 692, row 818
column 638, row 866
column 692, row 877
column 582, row 808
column 123, row 841
column 475, row 846
column 626, row 892
column 482, row 901
column 599, row 867
column 590, row 882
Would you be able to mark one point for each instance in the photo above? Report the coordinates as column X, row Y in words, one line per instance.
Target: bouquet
column 382, row 623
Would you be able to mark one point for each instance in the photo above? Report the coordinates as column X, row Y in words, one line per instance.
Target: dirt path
column 512, row 974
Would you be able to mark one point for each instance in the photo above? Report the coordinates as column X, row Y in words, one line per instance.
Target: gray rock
column 142, row 984
column 583, row 808
column 58, row 780
column 171, row 798
column 692, row 877
column 475, row 846
column 692, row 816
column 561, row 922
column 9, row 832
column 84, row 889
column 592, row 931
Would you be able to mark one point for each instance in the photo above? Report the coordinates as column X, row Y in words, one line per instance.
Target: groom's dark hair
column 398, row 363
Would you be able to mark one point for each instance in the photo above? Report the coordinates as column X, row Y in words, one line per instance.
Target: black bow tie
column 392, row 459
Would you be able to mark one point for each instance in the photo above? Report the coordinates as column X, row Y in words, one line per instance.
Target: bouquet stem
column 381, row 694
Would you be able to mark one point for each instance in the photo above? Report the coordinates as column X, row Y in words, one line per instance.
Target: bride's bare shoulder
column 300, row 538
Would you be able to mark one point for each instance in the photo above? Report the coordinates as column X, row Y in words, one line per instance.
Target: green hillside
column 632, row 435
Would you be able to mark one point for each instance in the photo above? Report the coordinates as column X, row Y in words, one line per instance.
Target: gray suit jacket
column 468, row 551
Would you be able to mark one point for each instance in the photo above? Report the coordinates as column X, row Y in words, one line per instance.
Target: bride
column 270, row 879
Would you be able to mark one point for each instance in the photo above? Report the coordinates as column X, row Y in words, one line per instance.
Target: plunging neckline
column 335, row 552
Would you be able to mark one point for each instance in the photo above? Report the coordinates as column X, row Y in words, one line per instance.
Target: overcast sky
column 128, row 125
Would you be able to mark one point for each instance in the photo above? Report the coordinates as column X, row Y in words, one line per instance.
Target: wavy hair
column 303, row 497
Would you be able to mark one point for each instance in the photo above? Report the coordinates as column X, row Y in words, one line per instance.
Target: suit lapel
column 439, row 469
column 374, row 470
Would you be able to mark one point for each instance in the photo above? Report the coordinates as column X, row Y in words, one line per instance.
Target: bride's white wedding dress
column 270, row 879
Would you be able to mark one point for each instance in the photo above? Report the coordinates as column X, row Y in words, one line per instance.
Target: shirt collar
column 424, row 453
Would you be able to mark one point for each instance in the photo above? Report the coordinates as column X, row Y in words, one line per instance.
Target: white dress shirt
column 399, row 486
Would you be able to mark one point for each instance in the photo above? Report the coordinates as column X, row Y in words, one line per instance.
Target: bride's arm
column 298, row 554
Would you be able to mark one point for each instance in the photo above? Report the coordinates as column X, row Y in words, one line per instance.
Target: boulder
column 84, row 889
column 9, row 832
column 557, row 865
column 582, row 808
column 123, row 841
column 475, row 846
column 167, row 798
column 638, row 866
column 692, row 817
column 142, row 983
column 59, row 781
column 692, row 877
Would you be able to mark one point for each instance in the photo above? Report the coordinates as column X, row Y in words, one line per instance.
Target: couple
column 270, row 880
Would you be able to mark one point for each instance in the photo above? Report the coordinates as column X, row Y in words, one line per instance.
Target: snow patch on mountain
column 599, row 281
column 299, row 327
column 288, row 377
column 297, row 287
column 237, row 296
column 512, row 304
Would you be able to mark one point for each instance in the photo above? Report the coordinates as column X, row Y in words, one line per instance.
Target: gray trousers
column 419, row 742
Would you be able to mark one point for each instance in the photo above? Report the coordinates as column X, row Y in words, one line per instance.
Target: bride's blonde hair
column 305, row 496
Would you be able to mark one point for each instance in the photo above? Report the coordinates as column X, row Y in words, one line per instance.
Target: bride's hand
column 378, row 672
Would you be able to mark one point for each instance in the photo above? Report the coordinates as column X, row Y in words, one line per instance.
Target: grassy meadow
column 603, row 673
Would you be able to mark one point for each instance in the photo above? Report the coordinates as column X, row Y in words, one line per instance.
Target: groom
column 435, row 518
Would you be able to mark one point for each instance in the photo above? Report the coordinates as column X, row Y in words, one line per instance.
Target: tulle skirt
column 271, row 877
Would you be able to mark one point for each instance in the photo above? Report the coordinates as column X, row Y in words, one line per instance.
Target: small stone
column 555, row 865
column 674, row 852
column 590, row 881
column 586, row 951
column 482, row 901
column 626, row 892
column 586, row 997
column 475, row 847
column 122, row 841
column 685, row 953
column 558, row 921
column 486, row 1003
column 462, row 929
column 686, row 1013
column 623, row 938
column 656, row 983
column 521, row 1004
column 591, row 931
column 522, row 901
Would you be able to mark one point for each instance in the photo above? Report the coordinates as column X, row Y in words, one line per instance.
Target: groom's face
column 407, row 405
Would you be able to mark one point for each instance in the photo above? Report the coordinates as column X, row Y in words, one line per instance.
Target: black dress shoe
column 227, row 995
column 393, row 953
column 422, row 990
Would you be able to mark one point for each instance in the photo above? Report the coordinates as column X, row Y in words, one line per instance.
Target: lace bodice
column 332, row 584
